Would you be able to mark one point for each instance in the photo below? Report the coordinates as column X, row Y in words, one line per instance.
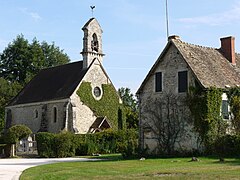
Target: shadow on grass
column 228, row 161
column 107, row 157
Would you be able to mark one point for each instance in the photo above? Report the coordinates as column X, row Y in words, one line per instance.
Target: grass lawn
column 170, row 168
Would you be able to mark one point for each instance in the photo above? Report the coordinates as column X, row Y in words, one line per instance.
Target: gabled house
column 51, row 102
column 162, row 95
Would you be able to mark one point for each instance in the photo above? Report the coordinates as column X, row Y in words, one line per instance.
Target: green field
column 170, row 168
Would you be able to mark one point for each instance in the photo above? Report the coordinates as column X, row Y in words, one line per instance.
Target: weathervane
column 92, row 7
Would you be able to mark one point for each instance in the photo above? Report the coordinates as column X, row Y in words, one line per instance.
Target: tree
column 130, row 105
column 7, row 91
column 16, row 133
column 14, row 61
column 13, row 135
column 167, row 122
column 21, row 60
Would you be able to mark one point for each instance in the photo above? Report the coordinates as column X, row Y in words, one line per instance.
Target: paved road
column 11, row 169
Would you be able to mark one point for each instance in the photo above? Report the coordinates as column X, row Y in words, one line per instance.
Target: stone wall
column 170, row 64
column 32, row 115
column 83, row 115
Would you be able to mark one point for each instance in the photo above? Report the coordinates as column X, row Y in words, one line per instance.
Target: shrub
column 127, row 143
column 45, row 144
column 227, row 146
column 81, row 144
column 64, row 144
column 68, row 144
column 16, row 133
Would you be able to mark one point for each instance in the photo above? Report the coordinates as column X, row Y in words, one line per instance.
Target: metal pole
column 167, row 18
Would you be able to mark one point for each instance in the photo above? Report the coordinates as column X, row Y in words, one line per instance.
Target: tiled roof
column 208, row 65
column 52, row 84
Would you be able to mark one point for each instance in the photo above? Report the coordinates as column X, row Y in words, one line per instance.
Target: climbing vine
column 108, row 105
column 234, row 102
column 205, row 106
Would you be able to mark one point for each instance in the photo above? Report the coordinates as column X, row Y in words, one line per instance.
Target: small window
column 158, row 82
column 182, row 81
column 54, row 114
column 36, row 114
column 97, row 91
column 225, row 113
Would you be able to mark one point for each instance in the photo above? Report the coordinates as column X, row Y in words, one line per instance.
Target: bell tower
column 92, row 42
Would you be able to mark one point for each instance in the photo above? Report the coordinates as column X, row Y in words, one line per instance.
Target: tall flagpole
column 167, row 18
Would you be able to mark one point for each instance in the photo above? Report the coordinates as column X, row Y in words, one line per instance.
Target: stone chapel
column 75, row 97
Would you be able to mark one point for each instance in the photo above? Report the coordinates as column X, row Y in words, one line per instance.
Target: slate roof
column 52, row 84
column 208, row 65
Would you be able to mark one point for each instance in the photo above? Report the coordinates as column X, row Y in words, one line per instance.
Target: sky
column 134, row 31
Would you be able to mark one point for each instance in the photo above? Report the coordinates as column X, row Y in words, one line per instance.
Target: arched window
column 94, row 43
column 54, row 114
column 36, row 113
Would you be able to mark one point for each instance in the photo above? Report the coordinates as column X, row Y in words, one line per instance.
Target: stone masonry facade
column 170, row 64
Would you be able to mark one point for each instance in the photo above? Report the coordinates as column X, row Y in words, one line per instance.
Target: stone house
column 50, row 101
column 162, row 95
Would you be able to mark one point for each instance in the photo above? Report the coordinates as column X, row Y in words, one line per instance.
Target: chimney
column 173, row 37
column 228, row 48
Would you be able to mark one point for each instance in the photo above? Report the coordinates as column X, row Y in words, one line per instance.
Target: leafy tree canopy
column 127, row 98
column 16, row 133
column 130, row 105
column 21, row 60
column 7, row 91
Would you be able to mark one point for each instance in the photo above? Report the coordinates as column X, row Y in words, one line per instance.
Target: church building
column 77, row 97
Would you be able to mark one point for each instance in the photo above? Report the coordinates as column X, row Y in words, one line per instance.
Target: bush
column 64, row 144
column 68, row 144
column 81, row 144
column 227, row 146
column 16, row 133
column 127, row 143
column 46, row 144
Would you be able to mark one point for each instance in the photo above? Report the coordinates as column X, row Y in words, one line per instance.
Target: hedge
column 46, row 144
column 67, row 144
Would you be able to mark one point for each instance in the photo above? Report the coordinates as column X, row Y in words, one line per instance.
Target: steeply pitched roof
column 92, row 20
column 52, row 84
column 99, row 124
column 208, row 65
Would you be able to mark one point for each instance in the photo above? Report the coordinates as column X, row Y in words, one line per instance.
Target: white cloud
column 35, row 16
column 218, row 19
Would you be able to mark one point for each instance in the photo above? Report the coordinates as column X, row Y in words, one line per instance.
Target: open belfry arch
column 92, row 42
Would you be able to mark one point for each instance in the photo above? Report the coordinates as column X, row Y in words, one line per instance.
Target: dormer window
column 94, row 43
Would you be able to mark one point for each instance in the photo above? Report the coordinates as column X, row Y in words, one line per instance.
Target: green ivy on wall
column 234, row 102
column 205, row 106
column 108, row 105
